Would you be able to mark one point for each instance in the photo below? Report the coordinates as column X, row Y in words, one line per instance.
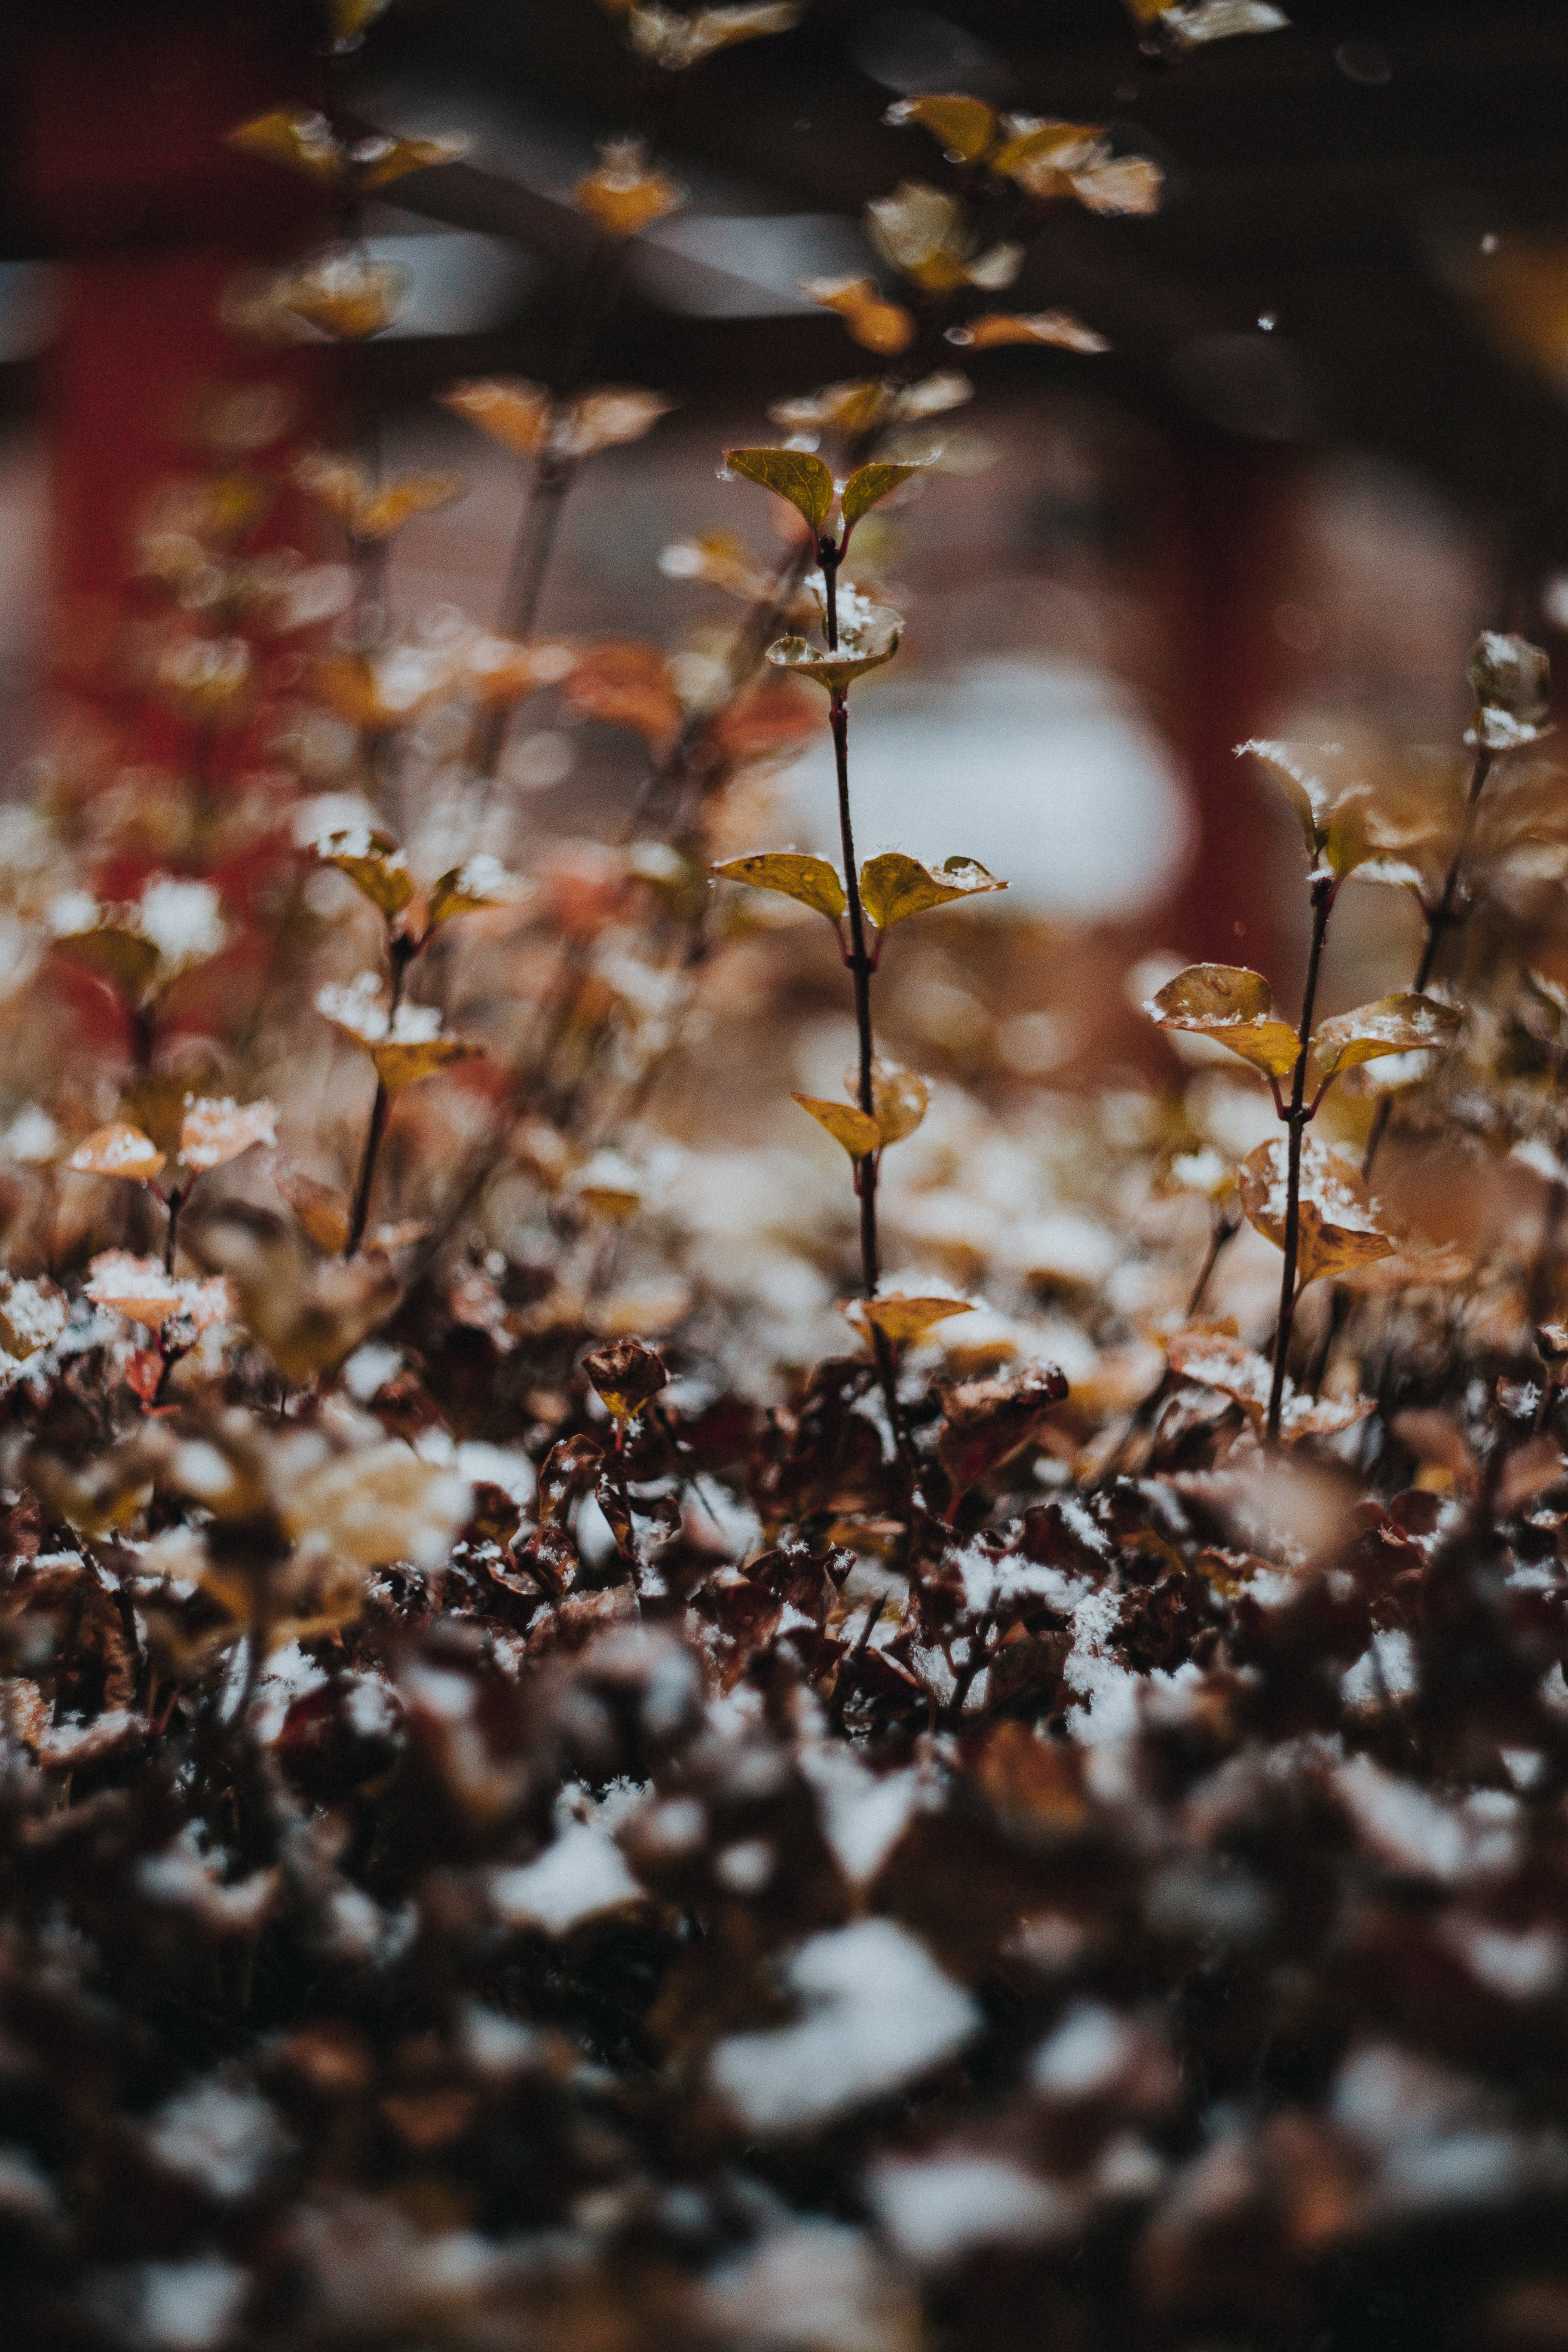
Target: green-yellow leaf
column 399, row 1064
column 807, row 481
column 894, row 886
column 374, row 862
column 1401, row 1023
column 964, row 126
column 1231, row 1004
column 901, row 1320
column 855, row 1129
column 811, row 880
column 866, row 486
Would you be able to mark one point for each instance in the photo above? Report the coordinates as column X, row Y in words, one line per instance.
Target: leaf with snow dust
column 375, row 863
column 963, row 127
column 1216, row 1361
column 625, row 1375
column 1059, row 329
column 856, row 1130
column 985, row 1421
column 512, row 410
column 1336, row 1231
column 32, row 1314
column 322, row 1209
column 481, row 882
column 117, row 1150
column 377, row 162
column 867, row 486
column 1402, row 1024
column 878, row 2013
column 863, row 645
column 885, row 328
column 379, row 1504
column 805, row 480
column 607, row 418
column 900, row 1316
column 810, row 880
column 1232, row 1005
column 893, row 887
column 578, row 1877
column 344, row 294
column 1184, row 24
column 626, row 195
column 217, row 1130
column 609, row 1184
column 570, row 1468
column 1331, row 787
column 1511, row 680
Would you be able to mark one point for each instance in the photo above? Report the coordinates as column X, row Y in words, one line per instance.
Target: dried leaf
column 608, row 418
column 807, row 481
column 1401, row 1023
column 964, row 127
column 375, row 863
column 626, row 1374
column 402, row 1063
column 1058, row 327
column 117, row 1150
column 1336, row 1231
column 901, row 1318
column 894, row 886
column 855, row 1129
column 214, row 1131
column 811, row 880
column 867, row 486
column 1231, row 1004
column 511, row 409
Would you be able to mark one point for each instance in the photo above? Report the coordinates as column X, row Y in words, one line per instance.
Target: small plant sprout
column 889, row 887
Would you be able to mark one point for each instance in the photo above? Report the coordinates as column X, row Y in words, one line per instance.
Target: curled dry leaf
column 856, row 1129
column 885, row 328
column 375, row 863
column 215, row 1131
column 117, row 1150
column 894, row 886
column 1060, row 328
column 1215, row 1360
column 626, row 195
column 807, row 481
column 1401, row 1023
column 626, row 1375
column 1336, row 1228
column 1233, row 1006
column 810, row 880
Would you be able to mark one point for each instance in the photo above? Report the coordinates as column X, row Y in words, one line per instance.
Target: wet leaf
column 511, row 409
column 214, row 1131
column 855, row 1129
column 117, row 1150
column 807, row 481
column 480, row 882
column 1058, row 327
column 626, row 195
column 894, row 886
column 902, row 1319
column 964, row 127
column 811, row 880
column 125, row 959
column 867, row 486
column 626, row 1375
column 1336, row 1229
column 1231, row 1004
column 399, row 1063
column 885, row 328
column 1401, row 1023
column 375, row 863
column 864, row 648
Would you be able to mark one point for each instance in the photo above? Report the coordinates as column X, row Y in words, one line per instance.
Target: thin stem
column 176, row 1203
column 402, row 954
column 1323, row 888
column 1223, row 1229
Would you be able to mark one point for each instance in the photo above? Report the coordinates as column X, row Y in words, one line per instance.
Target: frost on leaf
column 1058, row 328
column 375, row 863
column 344, row 295
column 894, row 886
column 481, row 882
column 214, row 1132
column 626, row 195
column 1232, row 1005
column 1239, row 1373
column 117, row 1150
column 1511, row 680
column 138, row 1289
column 1329, row 786
column 1337, row 1231
column 1402, row 1024
column 865, row 644
column 810, row 880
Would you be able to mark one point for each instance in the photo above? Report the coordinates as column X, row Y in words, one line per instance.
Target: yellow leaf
column 214, row 1132
column 793, row 473
column 292, row 135
column 377, row 162
column 1058, row 328
column 609, row 418
column 344, row 295
column 400, row 1064
column 885, row 328
column 1039, row 149
column 855, row 1129
column 117, row 1150
column 894, row 886
column 1401, row 1023
column 811, row 880
column 872, row 641
column 964, row 126
column 866, row 486
column 513, row 411
column 1229, row 1003
column 675, row 42
column 374, row 862
column 901, row 1098
column 900, row 1320
column 481, row 881
column 625, row 194
column 125, row 958
column 1335, row 1229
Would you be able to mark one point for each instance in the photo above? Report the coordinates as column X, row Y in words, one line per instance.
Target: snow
column 862, row 1817
column 879, row 2012
column 812, row 2286
column 1083, row 2055
column 187, row 2307
column 222, row 2141
column 183, row 919
column 578, row 1877
column 1414, row 1832
column 942, row 2208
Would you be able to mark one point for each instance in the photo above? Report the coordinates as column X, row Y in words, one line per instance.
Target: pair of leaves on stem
column 1045, row 160
column 369, row 510
column 212, row 1133
column 1234, row 1007
column 807, row 481
column 405, row 1045
column 527, row 419
column 306, row 142
column 376, row 865
column 900, row 1098
column 892, row 887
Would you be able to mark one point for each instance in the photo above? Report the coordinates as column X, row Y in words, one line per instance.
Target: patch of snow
column 937, row 2210
column 578, row 1877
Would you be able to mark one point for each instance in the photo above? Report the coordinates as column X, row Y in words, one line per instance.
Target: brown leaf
column 571, row 1467
column 985, row 1421
column 1401, row 1023
column 215, row 1131
column 1336, row 1231
column 626, row 1374
column 117, row 1150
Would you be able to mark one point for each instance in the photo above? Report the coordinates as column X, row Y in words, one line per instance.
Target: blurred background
column 1325, row 447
